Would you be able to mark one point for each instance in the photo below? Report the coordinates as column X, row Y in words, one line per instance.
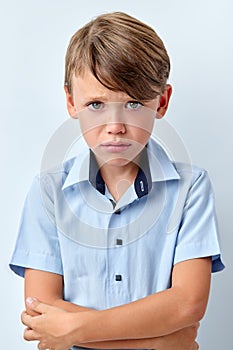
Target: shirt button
column 119, row 241
column 118, row 277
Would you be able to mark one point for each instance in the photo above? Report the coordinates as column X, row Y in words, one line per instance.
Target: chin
column 118, row 162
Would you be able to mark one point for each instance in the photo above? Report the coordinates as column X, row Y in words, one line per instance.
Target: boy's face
column 115, row 126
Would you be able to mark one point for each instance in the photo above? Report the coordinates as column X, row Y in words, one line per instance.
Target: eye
column 133, row 105
column 95, row 106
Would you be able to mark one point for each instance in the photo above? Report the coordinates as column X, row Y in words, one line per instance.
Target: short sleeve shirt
column 114, row 253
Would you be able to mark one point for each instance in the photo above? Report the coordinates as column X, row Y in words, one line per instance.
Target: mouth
column 115, row 146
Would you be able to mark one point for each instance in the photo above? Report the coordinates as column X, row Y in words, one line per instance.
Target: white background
column 33, row 38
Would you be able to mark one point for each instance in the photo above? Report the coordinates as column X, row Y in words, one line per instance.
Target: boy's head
column 122, row 53
column 115, row 83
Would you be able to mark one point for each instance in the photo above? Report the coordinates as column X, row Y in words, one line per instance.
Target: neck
column 119, row 179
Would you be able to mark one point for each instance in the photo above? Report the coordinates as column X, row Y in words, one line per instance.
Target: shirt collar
column 79, row 170
column 161, row 166
column 155, row 166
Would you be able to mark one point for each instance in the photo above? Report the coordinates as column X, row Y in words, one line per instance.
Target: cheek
column 141, row 135
column 91, row 136
column 89, row 126
column 142, row 127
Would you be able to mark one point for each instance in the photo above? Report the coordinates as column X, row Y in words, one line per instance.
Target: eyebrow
column 103, row 98
column 95, row 98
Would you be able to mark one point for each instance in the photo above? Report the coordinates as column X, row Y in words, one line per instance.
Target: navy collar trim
column 143, row 181
column 95, row 176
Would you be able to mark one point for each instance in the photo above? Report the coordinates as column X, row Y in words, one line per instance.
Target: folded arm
column 158, row 314
column 146, row 319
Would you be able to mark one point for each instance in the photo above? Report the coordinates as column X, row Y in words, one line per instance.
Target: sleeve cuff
column 199, row 251
column 30, row 260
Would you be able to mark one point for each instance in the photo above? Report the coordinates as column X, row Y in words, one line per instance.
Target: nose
column 115, row 124
column 115, row 128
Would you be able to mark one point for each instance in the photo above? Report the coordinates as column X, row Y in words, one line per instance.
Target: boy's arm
column 61, row 333
column 183, row 339
column 156, row 315
column 47, row 287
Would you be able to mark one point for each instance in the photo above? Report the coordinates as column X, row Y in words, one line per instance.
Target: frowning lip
column 115, row 146
column 116, row 143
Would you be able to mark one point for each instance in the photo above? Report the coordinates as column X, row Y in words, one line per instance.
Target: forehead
column 87, row 87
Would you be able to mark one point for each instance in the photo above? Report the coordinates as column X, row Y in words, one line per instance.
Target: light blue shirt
column 111, row 254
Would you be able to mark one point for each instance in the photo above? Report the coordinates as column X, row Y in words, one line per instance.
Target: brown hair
column 123, row 53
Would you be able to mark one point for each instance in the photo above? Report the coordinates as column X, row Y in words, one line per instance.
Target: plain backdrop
column 33, row 38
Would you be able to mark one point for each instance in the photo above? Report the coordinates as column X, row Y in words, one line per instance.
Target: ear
column 70, row 103
column 164, row 101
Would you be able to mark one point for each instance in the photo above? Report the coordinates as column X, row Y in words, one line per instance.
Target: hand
column 53, row 327
column 183, row 339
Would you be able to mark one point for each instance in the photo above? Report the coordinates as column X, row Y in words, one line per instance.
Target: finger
column 30, row 334
column 42, row 346
column 36, row 305
column 26, row 319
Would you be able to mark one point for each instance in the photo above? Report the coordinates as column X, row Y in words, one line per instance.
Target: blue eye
column 134, row 105
column 96, row 106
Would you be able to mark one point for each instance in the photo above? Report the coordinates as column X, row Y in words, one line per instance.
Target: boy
column 96, row 244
